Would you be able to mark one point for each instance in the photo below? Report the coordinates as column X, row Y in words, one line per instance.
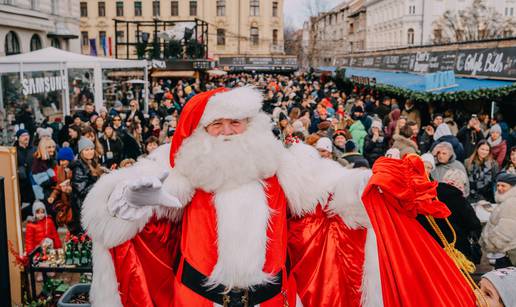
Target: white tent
column 52, row 59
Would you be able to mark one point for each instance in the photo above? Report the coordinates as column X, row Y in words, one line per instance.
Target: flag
column 104, row 45
column 110, row 46
column 93, row 46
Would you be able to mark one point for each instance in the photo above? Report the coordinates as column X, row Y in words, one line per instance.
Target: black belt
column 195, row 281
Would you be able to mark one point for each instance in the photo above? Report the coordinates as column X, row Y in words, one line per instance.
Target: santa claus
column 205, row 221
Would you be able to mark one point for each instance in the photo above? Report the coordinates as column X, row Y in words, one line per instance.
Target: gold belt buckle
column 226, row 299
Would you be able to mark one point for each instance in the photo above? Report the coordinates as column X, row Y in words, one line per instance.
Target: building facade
column 402, row 23
column 28, row 25
column 236, row 27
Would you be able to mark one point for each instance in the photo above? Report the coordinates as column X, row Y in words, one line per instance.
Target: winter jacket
column 425, row 142
column 42, row 172
column 113, row 150
column 374, row 149
column 441, row 169
column 405, row 145
column 412, row 115
column 82, row 182
column 61, row 204
column 457, row 146
column 499, row 234
column 469, row 138
column 358, row 133
column 499, row 151
column 37, row 231
column 481, row 179
column 25, row 158
column 463, row 219
column 132, row 150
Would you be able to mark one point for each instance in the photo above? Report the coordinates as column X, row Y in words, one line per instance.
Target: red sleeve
column 52, row 233
column 29, row 238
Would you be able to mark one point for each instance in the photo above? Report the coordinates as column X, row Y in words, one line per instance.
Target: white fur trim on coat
column 242, row 219
column 104, row 286
column 371, row 282
column 239, row 103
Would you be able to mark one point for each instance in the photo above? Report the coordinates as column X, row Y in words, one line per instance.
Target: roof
column 416, row 82
column 47, row 58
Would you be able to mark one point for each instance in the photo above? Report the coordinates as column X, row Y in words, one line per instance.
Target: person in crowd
column 393, row 119
column 25, row 119
column 444, row 134
column 403, row 141
column 103, row 113
column 86, row 170
column 77, row 121
column 445, row 160
column 42, row 133
column 470, row 135
column 498, row 288
column 117, row 124
column 98, row 126
column 411, row 112
column 437, row 120
column 113, row 148
column 498, row 234
column 375, row 144
column 504, row 127
column 151, row 143
column 59, row 199
column 339, row 141
column 154, row 127
column 86, row 114
column 133, row 142
column 449, row 119
column 352, row 158
column 74, row 134
column 91, row 134
column 482, row 171
column 357, row 129
column 134, row 112
column 325, row 148
column 25, row 156
column 62, row 135
column 117, row 109
column 429, row 162
column 384, row 108
column 510, row 166
column 42, row 171
column 498, row 145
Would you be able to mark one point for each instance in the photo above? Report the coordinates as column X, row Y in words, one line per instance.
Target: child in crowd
column 498, row 288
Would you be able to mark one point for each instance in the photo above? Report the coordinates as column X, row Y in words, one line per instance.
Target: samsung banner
column 491, row 62
column 43, row 84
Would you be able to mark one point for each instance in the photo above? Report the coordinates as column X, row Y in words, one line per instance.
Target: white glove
column 148, row 191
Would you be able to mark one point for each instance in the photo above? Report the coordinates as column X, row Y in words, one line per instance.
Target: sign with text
column 489, row 62
column 43, row 84
column 259, row 63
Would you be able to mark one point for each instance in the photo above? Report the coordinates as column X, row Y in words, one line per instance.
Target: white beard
column 233, row 168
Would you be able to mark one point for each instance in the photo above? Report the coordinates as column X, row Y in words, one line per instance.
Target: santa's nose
column 227, row 129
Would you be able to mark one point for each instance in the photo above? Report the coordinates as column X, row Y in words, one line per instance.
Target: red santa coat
column 39, row 230
column 144, row 264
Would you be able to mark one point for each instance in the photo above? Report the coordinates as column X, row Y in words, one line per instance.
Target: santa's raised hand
column 148, row 191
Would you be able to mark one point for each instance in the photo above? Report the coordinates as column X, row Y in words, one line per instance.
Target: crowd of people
column 474, row 161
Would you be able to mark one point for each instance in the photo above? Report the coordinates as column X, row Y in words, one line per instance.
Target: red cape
column 414, row 269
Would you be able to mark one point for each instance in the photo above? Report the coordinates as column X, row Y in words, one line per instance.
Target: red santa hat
column 204, row 108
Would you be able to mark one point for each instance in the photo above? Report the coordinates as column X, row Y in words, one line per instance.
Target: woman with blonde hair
column 42, row 170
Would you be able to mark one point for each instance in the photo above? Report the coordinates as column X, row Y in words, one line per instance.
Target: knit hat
column 350, row 146
column 324, row 144
column 102, row 109
column 495, row 128
column 507, row 178
column 442, row 130
column 65, row 153
column 393, row 153
column 118, row 104
column 36, row 206
column 427, row 157
column 21, row 132
column 44, row 132
column 85, row 143
column 376, row 124
column 504, row 280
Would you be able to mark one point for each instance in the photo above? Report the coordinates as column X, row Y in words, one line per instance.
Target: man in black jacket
column 24, row 153
column 470, row 135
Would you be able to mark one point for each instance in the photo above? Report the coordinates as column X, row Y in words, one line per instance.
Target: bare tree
column 475, row 22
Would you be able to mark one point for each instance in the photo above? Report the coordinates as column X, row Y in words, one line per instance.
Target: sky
column 297, row 11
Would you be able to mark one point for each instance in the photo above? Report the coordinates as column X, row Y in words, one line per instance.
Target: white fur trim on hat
column 324, row 144
column 240, row 103
column 44, row 132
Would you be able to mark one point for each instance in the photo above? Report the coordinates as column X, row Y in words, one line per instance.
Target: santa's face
column 227, row 127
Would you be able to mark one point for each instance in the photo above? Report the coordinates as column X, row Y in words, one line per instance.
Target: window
column 410, row 36
column 412, row 9
column 221, row 37
column 274, row 9
column 155, row 8
column 174, row 8
column 509, row 11
column 102, row 9
column 120, row 35
column 84, row 9
column 85, row 40
column 55, row 43
column 254, row 7
column 275, row 37
column 35, row 43
column 34, row 4
column 53, row 6
column 193, row 8
column 119, row 8
column 255, row 37
column 137, row 8
column 221, row 7
column 12, row 44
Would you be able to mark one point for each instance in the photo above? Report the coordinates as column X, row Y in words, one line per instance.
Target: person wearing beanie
column 324, row 147
column 499, row 233
column 227, row 172
column 498, row 145
column 339, row 141
column 44, row 132
column 445, row 160
column 60, row 196
column 444, row 134
column 352, row 158
column 40, row 229
column 86, row 171
column 498, row 288
column 429, row 162
column 375, row 143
